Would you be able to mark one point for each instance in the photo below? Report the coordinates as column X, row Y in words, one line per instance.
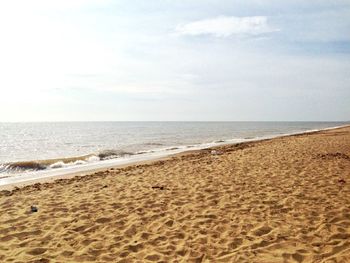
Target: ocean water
column 26, row 147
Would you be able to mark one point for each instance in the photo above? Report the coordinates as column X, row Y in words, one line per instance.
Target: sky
column 185, row 60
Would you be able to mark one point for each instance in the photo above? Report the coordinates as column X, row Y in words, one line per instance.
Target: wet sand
column 280, row 200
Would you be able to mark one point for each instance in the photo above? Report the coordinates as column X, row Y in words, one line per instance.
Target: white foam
column 57, row 165
column 93, row 158
column 78, row 162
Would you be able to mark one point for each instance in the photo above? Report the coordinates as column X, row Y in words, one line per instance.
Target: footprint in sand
column 37, row 251
column 263, row 230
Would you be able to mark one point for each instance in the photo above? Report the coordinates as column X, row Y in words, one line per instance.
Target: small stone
column 158, row 187
column 342, row 181
column 33, row 209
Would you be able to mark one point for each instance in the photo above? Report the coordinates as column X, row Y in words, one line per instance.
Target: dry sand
column 280, row 200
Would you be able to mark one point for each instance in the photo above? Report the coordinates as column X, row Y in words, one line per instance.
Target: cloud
column 225, row 26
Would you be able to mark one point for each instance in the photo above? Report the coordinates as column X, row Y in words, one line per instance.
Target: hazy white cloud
column 115, row 60
column 225, row 26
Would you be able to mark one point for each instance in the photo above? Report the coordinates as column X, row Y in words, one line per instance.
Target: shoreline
column 49, row 176
column 275, row 200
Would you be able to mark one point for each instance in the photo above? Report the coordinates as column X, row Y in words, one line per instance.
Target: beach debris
column 6, row 193
column 336, row 155
column 37, row 186
column 215, row 152
column 158, row 187
column 342, row 181
column 34, row 209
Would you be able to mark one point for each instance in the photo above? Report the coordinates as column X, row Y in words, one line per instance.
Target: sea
column 31, row 148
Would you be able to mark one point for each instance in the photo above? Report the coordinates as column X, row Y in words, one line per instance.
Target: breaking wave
column 111, row 154
column 37, row 165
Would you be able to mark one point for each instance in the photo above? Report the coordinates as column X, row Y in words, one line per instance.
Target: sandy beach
column 281, row 200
